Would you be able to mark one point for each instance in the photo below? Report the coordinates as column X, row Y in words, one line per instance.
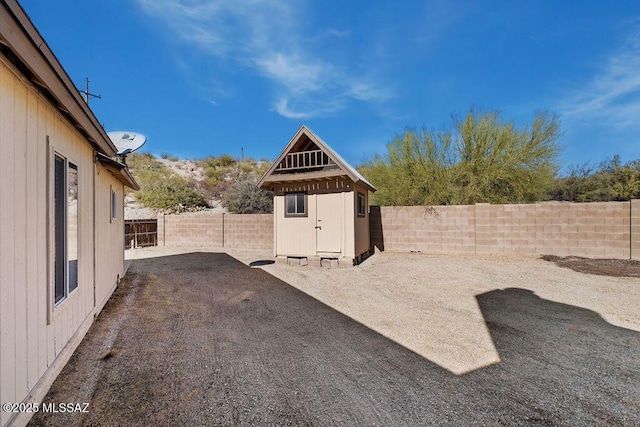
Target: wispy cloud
column 272, row 39
column 613, row 95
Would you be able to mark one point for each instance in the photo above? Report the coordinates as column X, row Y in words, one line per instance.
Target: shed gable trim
column 278, row 173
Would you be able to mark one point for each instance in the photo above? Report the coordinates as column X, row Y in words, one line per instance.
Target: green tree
column 415, row 171
column 484, row 159
column 499, row 163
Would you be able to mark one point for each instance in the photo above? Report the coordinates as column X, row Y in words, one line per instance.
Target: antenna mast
column 86, row 94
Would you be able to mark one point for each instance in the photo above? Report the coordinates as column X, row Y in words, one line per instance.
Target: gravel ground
column 204, row 339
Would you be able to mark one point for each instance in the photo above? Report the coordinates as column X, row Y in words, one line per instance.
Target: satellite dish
column 127, row 142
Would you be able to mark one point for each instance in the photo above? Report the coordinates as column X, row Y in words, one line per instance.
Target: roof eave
column 119, row 170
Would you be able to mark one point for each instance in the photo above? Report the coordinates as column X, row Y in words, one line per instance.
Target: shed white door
column 329, row 212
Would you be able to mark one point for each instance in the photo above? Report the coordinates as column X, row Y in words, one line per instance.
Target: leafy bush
column 140, row 161
column 247, row 166
column 161, row 189
column 243, row 196
column 222, row 161
column 610, row 181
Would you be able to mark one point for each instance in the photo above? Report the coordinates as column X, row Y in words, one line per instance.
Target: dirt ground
column 601, row 267
column 203, row 338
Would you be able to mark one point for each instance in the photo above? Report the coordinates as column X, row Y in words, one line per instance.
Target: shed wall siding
column 362, row 240
column 297, row 236
column 348, row 221
column 32, row 332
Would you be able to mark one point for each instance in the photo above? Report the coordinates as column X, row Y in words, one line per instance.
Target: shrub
column 161, row 189
column 140, row 161
column 243, row 196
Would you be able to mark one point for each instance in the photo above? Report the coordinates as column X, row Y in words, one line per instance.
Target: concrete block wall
column 248, row 231
column 428, row 229
column 635, row 229
column 216, row 230
column 597, row 230
column 195, row 230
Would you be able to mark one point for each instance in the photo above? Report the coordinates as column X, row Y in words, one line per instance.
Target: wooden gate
column 139, row 233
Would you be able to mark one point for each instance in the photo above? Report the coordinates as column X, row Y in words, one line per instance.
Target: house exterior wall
column 109, row 234
column 37, row 338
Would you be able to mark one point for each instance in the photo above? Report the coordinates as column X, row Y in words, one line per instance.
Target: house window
column 114, row 205
column 65, row 220
column 362, row 204
column 295, row 204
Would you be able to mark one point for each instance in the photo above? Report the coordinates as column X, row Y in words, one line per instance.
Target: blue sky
column 209, row 77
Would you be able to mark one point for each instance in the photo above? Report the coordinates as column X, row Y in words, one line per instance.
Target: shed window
column 295, row 204
column 65, row 220
column 362, row 204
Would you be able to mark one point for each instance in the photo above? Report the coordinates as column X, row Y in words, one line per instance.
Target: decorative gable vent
column 304, row 160
column 308, row 158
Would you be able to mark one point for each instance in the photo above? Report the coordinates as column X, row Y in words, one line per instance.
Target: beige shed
column 320, row 207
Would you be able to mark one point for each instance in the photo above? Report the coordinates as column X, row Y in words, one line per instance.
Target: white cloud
column 613, row 95
column 272, row 38
column 297, row 75
column 293, row 108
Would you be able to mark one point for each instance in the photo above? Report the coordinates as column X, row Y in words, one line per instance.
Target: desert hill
column 212, row 184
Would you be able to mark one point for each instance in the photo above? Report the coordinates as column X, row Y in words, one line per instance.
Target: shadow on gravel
column 598, row 266
column 261, row 262
column 202, row 339
column 567, row 362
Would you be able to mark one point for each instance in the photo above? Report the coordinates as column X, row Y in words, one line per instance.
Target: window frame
column 305, row 203
column 361, row 196
column 61, row 237
column 114, row 205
